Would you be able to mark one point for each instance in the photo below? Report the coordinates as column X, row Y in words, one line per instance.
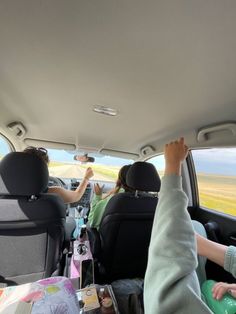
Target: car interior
column 104, row 84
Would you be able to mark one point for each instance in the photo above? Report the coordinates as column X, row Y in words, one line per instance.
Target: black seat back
column 31, row 222
column 125, row 229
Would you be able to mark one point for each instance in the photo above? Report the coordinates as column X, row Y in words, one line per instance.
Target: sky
column 215, row 161
column 4, row 147
column 220, row 161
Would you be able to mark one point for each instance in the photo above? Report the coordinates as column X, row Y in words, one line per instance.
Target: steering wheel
column 54, row 181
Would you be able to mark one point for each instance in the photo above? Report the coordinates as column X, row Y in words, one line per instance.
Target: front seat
column 125, row 229
column 31, row 222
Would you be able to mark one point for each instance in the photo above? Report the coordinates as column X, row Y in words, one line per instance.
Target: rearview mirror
column 84, row 158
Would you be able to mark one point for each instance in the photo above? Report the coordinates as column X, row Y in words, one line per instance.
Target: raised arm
column 73, row 196
column 171, row 284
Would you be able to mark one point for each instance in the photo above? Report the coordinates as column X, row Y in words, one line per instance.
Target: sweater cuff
column 230, row 258
column 171, row 181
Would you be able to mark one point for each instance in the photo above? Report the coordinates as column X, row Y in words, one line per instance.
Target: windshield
column 62, row 164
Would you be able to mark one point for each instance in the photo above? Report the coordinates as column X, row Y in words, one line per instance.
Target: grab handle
column 202, row 133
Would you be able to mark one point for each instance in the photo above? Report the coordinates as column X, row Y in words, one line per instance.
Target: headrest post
column 33, row 198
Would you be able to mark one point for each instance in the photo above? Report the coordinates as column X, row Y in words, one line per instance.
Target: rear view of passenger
column 99, row 203
column 125, row 229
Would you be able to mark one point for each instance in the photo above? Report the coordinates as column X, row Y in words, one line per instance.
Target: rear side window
column 159, row 163
column 216, row 176
column 5, row 146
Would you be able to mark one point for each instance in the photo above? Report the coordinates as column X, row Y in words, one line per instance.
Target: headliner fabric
column 23, row 174
column 143, row 176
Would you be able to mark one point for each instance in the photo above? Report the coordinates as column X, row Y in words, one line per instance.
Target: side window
column 216, row 176
column 5, row 146
column 159, row 163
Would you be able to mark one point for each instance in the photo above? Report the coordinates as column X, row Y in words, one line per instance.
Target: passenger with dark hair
column 68, row 196
column 99, row 203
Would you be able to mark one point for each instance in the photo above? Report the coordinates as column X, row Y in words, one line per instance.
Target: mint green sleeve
column 230, row 260
column 171, row 284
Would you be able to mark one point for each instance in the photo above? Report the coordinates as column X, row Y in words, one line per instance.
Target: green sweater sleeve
column 95, row 200
column 97, row 210
column 171, row 284
column 230, row 260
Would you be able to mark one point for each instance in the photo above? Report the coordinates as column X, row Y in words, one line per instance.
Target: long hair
column 121, row 182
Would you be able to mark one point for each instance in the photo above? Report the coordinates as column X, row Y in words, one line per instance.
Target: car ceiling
column 168, row 67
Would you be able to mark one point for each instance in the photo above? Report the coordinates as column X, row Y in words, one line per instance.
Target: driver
column 68, row 196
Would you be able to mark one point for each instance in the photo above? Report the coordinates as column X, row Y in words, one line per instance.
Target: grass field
column 109, row 171
column 218, row 192
column 55, row 164
column 76, row 170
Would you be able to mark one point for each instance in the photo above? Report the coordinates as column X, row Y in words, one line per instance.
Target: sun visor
column 49, row 144
column 120, row 154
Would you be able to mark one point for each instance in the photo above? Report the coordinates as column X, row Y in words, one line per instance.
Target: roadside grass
column 109, row 171
column 56, row 164
column 223, row 205
column 218, row 193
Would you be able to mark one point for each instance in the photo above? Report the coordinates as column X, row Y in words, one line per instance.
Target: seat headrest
column 143, row 176
column 23, row 174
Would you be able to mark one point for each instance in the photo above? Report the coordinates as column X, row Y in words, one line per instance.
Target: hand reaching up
column 98, row 189
column 175, row 153
column 88, row 173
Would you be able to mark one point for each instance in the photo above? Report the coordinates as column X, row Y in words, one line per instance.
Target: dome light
column 105, row 110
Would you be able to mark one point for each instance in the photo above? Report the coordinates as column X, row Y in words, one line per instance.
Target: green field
column 218, row 192
column 55, row 164
column 110, row 172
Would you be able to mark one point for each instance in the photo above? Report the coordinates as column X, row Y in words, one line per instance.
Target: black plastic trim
column 193, row 180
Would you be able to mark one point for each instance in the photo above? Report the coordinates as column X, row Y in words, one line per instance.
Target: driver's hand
column 98, row 189
column 88, row 173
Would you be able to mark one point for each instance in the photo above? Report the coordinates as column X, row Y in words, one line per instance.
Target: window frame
column 193, row 180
